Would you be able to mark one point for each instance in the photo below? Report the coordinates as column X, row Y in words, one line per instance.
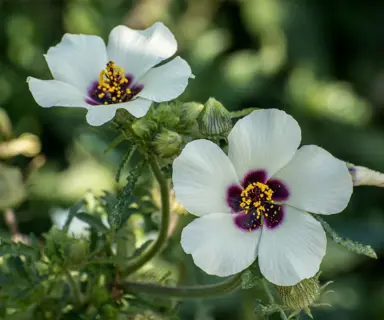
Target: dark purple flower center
column 255, row 203
column 113, row 86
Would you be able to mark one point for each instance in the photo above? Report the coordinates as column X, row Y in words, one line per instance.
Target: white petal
column 138, row 107
column 293, row 250
column 98, row 115
column 53, row 93
column 218, row 246
column 202, row 174
column 78, row 60
column 137, row 51
column 265, row 139
column 166, row 82
column 317, row 181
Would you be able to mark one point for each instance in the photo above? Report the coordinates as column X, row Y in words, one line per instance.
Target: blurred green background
column 321, row 61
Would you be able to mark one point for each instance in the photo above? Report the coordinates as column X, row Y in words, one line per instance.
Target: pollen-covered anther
column 113, row 86
column 254, row 196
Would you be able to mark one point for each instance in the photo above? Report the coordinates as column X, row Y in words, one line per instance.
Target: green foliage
column 120, row 212
column 317, row 60
column 125, row 162
column 251, row 277
column 349, row 244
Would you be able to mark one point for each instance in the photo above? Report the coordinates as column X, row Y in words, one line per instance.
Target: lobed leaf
column 351, row 245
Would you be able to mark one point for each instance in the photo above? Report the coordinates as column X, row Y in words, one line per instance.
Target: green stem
column 74, row 287
column 242, row 113
column 183, row 292
column 165, row 217
column 272, row 299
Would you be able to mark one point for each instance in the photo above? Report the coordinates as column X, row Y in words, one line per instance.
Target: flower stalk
column 184, row 292
column 74, row 288
column 283, row 316
column 157, row 246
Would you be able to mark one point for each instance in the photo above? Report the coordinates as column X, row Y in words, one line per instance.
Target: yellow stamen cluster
column 251, row 199
column 111, row 84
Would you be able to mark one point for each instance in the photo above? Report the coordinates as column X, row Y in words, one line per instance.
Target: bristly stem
column 157, row 246
column 74, row 288
column 183, row 292
column 272, row 299
column 242, row 113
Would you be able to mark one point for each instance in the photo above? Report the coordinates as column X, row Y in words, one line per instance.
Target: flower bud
column 123, row 117
column 362, row 176
column 143, row 127
column 188, row 113
column 12, row 190
column 214, row 119
column 78, row 252
column 168, row 143
column 165, row 115
column 301, row 295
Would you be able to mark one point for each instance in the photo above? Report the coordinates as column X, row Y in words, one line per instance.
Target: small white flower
column 254, row 202
column 102, row 79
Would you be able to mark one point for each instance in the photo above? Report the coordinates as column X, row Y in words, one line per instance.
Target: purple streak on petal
column 247, row 222
column 352, row 171
column 91, row 101
column 280, row 190
column 91, row 90
column 129, row 77
column 273, row 216
column 254, row 176
column 136, row 88
column 234, row 198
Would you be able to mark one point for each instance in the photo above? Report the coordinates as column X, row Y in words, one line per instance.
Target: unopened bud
column 165, row 114
column 214, row 119
column 143, row 127
column 78, row 252
column 168, row 143
column 301, row 295
column 189, row 112
column 362, row 176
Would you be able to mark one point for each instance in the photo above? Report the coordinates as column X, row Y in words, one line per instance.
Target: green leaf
column 120, row 212
column 18, row 249
column 265, row 311
column 125, row 161
column 249, row 280
column 93, row 221
column 119, row 139
column 354, row 246
column 72, row 213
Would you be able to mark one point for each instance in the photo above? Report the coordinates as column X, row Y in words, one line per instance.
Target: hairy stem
column 272, row 299
column 183, row 292
column 74, row 287
column 242, row 113
column 157, row 246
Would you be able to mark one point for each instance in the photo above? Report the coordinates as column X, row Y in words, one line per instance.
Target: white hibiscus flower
column 102, row 79
column 254, row 202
